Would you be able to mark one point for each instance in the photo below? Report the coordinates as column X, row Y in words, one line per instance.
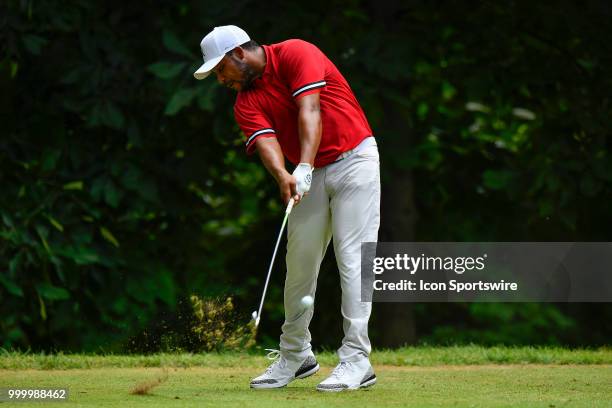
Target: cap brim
column 207, row 67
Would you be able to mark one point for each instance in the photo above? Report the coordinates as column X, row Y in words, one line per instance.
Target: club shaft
column 280, row 234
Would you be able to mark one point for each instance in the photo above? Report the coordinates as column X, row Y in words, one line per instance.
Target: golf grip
column 290, row 206
column 280, row 234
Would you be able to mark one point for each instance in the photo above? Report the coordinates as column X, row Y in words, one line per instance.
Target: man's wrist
column 279, row 174
column 306, row 164
column 307, row 161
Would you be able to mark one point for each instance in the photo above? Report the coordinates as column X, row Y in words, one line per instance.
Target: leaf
column 165, row 290
column 148, row 190
column 34, row 43
column 72, row 77
column 120, row 305
column 55, row 223
column 477, row 107
column 172, row 43
column 166, row 70
column 49, row 160
column 95, row 115
column 80, row 255
column 523, row 113
column 546, row 209
column 109, row 236
column 43, row 309
column 133, row 133
column 48, row 291
column 97, row 188
column 496, row 179
column 74, row 185
column 43, row 233
column 205, row 101
column 7, row 220
column 14, row 263
column 16, row 335
column 112, row 116
column 357, row 14
column 179, row 100
column 11, row 286
column 448, row 91
column 422, row 110
column 206, row 94
column 14, row 69
column 131, row 179
column 112, row 195
column 590, row 186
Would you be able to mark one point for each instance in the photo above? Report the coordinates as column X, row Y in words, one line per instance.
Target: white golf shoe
column 282, row 371
column 349, row 376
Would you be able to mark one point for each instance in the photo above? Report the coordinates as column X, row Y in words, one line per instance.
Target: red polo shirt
column 295, row 68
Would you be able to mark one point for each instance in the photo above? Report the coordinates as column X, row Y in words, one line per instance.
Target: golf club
column 257, row 313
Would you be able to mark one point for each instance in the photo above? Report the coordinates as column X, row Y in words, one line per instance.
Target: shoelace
column 340, row 368
column 275, row 355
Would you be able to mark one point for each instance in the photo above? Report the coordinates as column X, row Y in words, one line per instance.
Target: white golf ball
column 254, row 315
column 307, row 301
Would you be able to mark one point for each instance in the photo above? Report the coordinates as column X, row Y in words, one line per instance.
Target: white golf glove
column 303, row 178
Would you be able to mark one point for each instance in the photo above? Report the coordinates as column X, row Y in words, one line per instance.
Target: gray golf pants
column 343, row 202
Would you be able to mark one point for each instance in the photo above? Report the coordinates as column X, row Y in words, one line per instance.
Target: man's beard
column 248, row 74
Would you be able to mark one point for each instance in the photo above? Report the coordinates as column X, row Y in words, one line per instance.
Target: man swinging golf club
column 293, row 102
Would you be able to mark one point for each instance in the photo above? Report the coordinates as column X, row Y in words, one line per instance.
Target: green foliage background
column 125, row 187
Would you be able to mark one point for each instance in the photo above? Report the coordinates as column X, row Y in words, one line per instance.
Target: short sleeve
column 303, row 67
column 253, row 123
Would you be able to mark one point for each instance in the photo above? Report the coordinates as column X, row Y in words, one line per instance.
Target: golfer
column 293, row 103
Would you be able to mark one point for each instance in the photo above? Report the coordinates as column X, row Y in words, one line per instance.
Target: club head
column 255, row 318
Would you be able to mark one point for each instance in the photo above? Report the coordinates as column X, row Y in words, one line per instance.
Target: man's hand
column 287, row 187
column 303, row 178
column 295, row 185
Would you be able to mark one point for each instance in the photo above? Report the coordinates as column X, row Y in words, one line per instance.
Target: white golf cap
column 216, row 44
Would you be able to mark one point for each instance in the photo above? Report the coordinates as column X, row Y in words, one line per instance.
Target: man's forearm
column 271, row 156
column 309, row 128
column 273, row 160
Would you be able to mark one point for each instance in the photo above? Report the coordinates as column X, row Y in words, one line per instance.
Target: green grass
column 407, row 356
column 469, row 386
column 417, row 377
